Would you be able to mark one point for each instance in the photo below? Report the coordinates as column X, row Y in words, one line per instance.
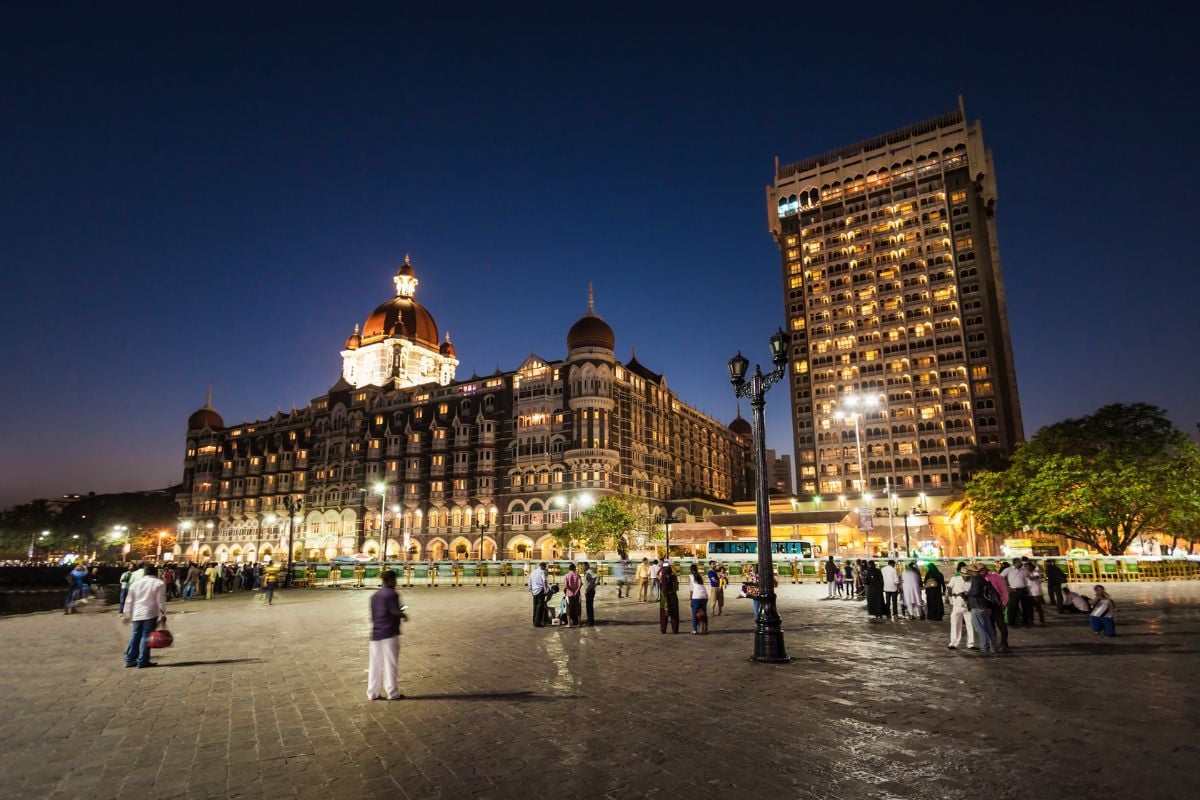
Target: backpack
column 990, row 595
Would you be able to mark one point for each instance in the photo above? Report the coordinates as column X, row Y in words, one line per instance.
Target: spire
column 407, row 263
column 356, row 329
column 634, row 356
column 447, row 337
column 208, row 400
column 591, row 301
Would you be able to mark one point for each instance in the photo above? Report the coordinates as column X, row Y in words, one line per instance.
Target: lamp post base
column 768, row 634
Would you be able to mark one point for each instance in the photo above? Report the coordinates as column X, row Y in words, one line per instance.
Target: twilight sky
column 197, row 194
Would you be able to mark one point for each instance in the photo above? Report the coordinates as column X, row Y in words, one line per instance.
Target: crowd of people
column 657, row 583
column 985, row 602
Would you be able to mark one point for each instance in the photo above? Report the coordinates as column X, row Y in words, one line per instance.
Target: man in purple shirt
column 386, row 614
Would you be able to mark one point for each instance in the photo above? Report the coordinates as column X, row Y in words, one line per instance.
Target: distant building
column 901, row 358
column 478, row 467
column 780, row 472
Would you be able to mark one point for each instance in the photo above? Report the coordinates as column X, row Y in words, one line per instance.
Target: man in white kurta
column 914, row 595
column 960, row 615
column 386, row 614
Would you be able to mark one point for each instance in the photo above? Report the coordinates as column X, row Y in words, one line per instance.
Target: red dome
column 590, row 331
column 741, row 426
column 205, row 417
column 402, row 316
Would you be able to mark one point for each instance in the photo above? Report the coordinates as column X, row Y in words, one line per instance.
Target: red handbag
column 160, row 638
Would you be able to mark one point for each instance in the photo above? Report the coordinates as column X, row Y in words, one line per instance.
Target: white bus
column 747, row 549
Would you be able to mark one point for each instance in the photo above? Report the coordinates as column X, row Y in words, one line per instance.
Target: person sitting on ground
column 1074, row 603
column 1102, row 619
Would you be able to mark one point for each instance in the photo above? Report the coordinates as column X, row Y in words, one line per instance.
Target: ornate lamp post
column 293, row 505
column 768, row 637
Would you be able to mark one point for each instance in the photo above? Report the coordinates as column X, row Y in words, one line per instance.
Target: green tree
column 604, row 526
column 1102, row 480
column 21, row 524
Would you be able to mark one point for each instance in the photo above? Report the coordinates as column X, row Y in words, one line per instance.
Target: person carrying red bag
column 146, row 604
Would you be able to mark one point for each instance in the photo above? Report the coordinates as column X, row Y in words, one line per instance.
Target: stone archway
column 436, row 549
column 460, row 548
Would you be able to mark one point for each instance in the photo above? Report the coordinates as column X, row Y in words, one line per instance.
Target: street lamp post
column 854, row 401
column 768, row 638
column 891, row 516
column 32, row 538
column 122, row 532
column 919, row 511
column 293, row 506
column 395, row 519
column 499, row 532
column 584, row 501
column 381, row 490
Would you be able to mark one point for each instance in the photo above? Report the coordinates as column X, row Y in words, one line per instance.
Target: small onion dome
column 447, row 349
column 740, row 426
column 355, row 340
column 206, row 417
column 590, row 330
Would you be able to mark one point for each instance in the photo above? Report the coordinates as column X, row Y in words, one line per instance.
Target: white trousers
column 958, row 618
column 381, row 669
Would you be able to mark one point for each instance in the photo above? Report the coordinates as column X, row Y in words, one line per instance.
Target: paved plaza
column 269, row 702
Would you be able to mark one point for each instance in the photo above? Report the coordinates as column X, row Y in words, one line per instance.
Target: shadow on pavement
column 1100, row 648
column 211, row 663
column 525, row 696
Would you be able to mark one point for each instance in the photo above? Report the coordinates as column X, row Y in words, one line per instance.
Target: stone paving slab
column 269, row 702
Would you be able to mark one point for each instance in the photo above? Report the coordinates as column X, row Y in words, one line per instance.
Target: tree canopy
column 90, row 518
column 1103, row 480
column 604, row 526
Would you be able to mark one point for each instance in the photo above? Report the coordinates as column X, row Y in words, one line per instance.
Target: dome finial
column 208, row 399
column 447, row 337
column 591, row 301
column 356, row 329
column 407, row 263
column 634, row 356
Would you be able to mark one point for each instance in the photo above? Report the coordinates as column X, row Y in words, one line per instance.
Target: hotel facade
column 901, row 361
column 403, row 459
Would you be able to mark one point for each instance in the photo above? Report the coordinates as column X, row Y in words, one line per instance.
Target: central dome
column 402, row 315
column 590, row 330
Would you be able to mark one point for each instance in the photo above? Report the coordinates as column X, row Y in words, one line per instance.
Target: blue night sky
column 200, row 194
